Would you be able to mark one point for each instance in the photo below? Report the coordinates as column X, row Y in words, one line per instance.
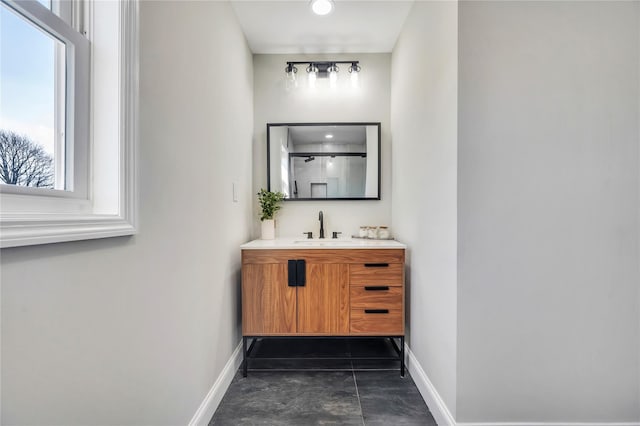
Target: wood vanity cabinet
column 345, row 292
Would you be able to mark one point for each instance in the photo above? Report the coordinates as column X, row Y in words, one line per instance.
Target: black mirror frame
column 378, row 124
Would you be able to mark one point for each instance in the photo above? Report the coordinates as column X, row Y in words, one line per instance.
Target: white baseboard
column 212, row 400
column 548, row 424
column 436, row 405
column 443, row 416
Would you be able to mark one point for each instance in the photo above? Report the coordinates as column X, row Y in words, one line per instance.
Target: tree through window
column 23, row 162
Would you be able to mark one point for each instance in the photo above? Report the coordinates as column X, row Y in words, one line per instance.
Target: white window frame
column 63, row 9
column 107, row 206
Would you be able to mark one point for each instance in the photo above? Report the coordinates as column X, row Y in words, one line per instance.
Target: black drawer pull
column 376, row 311
column 376, row 265
column 376, row 287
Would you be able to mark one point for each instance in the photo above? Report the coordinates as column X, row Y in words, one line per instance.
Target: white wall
column 280, row 149
column 371, row 183
column 424, row 128
column 274, row 104
column 134, row 331
column 548, row 212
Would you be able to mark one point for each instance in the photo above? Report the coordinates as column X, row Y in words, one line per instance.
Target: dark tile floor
column 322, row 391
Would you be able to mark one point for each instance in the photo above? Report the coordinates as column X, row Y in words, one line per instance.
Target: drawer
column 390, row 274
column 353, row 256
column 376, row 296
column 376, row 321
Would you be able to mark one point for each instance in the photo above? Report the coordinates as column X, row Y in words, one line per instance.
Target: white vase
column 268, row 229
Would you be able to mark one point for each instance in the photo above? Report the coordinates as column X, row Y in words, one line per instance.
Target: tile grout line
column 355, row 382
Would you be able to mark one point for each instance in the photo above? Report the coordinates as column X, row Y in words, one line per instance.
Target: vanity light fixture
column 322, row 7
column 291, row 72
column 312, row 71
column 323, row 69
column 354, row 70
column 333, row 75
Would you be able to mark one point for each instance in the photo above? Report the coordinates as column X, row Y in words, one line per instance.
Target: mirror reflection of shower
column 325, row 161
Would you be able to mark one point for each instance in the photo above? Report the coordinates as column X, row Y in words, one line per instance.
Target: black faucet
column 321, row 219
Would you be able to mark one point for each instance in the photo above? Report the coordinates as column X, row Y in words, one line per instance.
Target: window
column 33, row 101
column 68, row 96
column 44, row 70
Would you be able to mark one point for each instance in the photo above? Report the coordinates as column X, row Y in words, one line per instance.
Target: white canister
column 372, row 232
column 383, row 232
column 364, row 232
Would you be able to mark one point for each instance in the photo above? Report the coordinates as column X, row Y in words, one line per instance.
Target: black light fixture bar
column 321, row 66
column 328, row 154
column 324, row 63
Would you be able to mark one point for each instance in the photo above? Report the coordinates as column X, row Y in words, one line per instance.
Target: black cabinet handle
column 297, row 276
column 376, row 288
column 376, row 265
column 292, row 276
column 301, row 267
column 376, row 311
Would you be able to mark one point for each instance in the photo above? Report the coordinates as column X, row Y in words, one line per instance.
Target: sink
column 325, row 242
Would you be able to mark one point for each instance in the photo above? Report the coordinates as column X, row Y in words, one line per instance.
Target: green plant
column 269, row 203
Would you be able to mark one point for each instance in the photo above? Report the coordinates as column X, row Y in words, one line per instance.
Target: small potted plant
column 270, row 204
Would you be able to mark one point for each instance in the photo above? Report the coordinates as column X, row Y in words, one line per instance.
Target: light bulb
column 321, row 7
column 291, row 81
column 333, row 76
column 312, row 70
column 354, row 70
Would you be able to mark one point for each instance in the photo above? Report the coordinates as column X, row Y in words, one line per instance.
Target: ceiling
column 302, row 135
column 364, row 26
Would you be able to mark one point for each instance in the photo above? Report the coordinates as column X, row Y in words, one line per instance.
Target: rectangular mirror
column 324, row 161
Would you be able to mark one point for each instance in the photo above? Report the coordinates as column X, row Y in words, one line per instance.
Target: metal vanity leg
column 244, row 356
column 402, row 356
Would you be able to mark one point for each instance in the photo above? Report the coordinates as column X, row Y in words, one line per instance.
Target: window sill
column 45, row 230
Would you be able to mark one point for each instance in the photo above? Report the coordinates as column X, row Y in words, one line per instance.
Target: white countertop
column 327, row 243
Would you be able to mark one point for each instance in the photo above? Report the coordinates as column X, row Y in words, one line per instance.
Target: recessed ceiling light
column 328, row 136
column 322, row 7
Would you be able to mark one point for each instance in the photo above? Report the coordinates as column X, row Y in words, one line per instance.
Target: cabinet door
column 268, row 303
column 323, row 302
